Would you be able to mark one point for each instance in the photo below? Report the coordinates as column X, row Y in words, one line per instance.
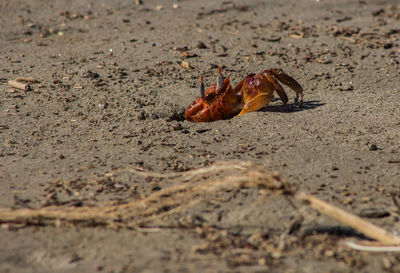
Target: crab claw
column 257, row 93
column 217, row 102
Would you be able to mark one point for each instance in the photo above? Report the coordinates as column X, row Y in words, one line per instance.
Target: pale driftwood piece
column 366, row 228
column 19, row 85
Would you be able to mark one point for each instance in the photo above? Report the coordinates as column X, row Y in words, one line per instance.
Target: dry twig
column 372, row 246
column 348, row 219
column 190, row 188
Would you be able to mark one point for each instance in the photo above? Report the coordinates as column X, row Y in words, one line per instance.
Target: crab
column 255, row 91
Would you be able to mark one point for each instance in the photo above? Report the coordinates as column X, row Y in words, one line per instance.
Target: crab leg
column 277, row 87
column 289, row 81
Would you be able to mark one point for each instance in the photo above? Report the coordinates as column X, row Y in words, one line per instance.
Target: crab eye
column 220, row 79
column 201, row 87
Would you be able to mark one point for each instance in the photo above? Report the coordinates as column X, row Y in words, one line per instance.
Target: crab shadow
column 292, row 107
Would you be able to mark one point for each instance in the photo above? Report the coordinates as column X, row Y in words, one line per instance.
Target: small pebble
column 347, row 201
column 386, row 263
column 365, row 199
column 201, row 45
column 373, row 147
column 329, row 253
column 177, row 127
column 374, row 213
column 185, row 64
column 142, row 115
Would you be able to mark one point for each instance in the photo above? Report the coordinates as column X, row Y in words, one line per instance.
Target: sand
column 114, row 82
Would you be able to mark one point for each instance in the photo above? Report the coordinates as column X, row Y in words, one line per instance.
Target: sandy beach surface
column 110, row 81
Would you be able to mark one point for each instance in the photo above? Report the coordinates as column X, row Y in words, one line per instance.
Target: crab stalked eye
column 201, row 87
column 220, row 79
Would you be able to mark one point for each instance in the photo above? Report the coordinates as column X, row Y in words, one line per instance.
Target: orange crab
column 221, row 101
